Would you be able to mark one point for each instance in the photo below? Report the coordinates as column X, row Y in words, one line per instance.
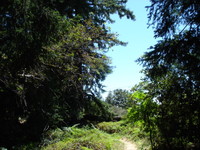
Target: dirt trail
column 128, row 145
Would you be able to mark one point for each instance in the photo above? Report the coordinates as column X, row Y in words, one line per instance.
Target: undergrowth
column 133, row 132
column 103, row 136
column 74, row 138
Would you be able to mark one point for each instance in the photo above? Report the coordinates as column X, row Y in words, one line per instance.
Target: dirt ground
column 128, row 145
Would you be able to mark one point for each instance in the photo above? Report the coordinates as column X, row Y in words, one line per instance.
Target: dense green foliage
column 118, row 101
column 119, row 98
column 170, row 100
column 53, row 61
column 52, row 56
column 144, row 111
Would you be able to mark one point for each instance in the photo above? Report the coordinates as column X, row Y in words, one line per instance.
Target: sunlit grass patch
column 133, row 132
column 111, row 127
column 81, row 139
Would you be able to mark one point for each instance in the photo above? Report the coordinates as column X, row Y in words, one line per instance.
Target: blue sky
column 126, row 72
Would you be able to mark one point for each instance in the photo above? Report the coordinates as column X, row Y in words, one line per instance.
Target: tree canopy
column 53, row 60
column 172, row 71
column 119, row 98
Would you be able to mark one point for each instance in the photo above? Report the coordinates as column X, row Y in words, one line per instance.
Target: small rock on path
column 128, row 145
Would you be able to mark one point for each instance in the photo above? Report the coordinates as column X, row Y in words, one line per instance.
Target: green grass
column 74, row 138
column 111, row 127
column 133, row 132
column 104, row 136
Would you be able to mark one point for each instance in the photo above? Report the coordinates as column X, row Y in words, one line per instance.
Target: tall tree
column 172, row 68
column 52, row 62
column 119, row 97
